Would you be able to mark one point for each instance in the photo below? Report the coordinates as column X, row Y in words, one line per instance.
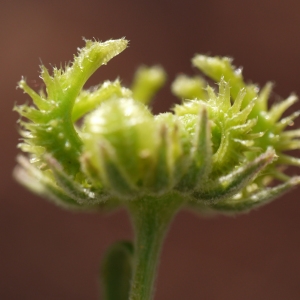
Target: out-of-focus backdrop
column 47, row 253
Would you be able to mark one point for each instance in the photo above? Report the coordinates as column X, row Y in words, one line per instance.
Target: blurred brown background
column 47, row 253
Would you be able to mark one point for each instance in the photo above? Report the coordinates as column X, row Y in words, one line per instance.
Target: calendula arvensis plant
column 221, row 150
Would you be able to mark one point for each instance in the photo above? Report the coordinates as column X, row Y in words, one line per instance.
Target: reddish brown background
column 47, row 253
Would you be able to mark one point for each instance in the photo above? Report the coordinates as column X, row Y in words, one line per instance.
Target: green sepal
column 116, row 271
column 289, row 160
column 112, row 174
column 30, row 113
column 237, row 104
column 41, row 183
column 221, row 67
column 287, row 121
column 245, row 204
column 40, row 102
column 161, row 179
column 200, row 156
column 278, row 109
column 241, row 117
column 88, row 60
column 172, row 153
column 231, row 184
column 263, row 97
column 89, row 100
column 81, row 194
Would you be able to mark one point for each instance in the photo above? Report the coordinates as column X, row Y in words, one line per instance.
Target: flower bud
column 130, row 152
column 220, row 150
column 119, row 143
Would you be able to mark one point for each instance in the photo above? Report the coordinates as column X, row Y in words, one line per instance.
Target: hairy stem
column 151, row 217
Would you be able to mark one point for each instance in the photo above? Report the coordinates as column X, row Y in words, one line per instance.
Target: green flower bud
column 115, row 144
column 219, row 150
column 130, row 151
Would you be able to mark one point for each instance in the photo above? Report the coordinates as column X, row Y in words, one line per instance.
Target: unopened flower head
column 220, row 150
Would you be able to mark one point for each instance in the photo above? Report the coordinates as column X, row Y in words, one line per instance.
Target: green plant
column 219, row 152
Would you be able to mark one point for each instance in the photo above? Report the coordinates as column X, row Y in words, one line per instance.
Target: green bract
column 221, row 150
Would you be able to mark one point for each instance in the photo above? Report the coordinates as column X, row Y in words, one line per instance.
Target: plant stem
column 151, row 217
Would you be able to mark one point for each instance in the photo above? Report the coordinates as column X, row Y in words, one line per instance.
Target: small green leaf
column 116, row 271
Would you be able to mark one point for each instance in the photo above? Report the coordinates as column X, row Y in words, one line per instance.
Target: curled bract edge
column 222, row 149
